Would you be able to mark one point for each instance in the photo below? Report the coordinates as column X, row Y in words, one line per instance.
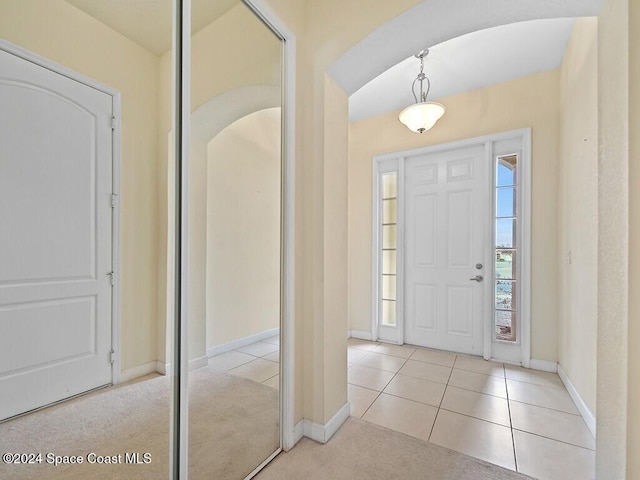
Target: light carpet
column 233, row 427
column 362, row 450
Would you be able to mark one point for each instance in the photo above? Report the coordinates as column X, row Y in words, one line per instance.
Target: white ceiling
column 148, row 22
column 468, row 62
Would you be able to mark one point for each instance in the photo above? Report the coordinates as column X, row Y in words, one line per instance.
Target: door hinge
column 114, row 200
column 113, row 123
column 113, row 357
column 113, row 277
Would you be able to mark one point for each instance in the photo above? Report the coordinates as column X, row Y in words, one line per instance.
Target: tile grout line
column 555, row 440
column 442, row 400
column 513, row 440
column 385, row 386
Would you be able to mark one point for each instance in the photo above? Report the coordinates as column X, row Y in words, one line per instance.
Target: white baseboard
column 544, row 365
column 198, row 362
column 139, row 371
column 242, row 342
column 359, row 334
column 165, row 368
column 588, row 417
column 323, row 433
column 298, row 432
column 162, row 368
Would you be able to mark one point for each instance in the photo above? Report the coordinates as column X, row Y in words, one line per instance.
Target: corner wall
column 578, row 211
column 532, row 101
column 614, row 459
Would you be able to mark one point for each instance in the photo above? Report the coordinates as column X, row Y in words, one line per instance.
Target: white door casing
column 446, row 211
column 428, row 189
column 56, row 245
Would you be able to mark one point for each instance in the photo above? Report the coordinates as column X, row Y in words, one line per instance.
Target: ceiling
column 148, row 22
column 468, row 62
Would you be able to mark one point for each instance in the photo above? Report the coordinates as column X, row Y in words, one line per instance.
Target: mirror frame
column 289, row 433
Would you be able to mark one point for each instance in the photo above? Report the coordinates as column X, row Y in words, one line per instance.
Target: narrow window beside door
column 506, row 252
column 389, row 209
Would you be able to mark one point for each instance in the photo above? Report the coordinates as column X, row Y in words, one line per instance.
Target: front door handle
column 477, row 278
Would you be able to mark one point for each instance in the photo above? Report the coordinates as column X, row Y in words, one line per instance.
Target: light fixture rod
column 421, row 78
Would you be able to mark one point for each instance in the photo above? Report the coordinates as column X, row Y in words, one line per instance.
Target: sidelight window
column 506, row 248
column 389, row 245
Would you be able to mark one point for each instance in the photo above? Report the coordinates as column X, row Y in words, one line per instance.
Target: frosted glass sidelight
column 389, row 185
column 389, row 261
column 389, row 312
column 389, row 287
column 388, row 236
column 389, row 209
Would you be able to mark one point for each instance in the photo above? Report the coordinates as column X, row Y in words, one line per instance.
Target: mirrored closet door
column 88, row 240
column 82, row 387
column 234, row 230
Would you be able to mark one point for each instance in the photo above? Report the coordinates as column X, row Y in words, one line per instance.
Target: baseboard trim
column 544, row 365
column 165, row 368
column 241, row 342
column 162, row 368
column 139, row 371
column 323, row 433
column 298, row 432
column 588, row 417
column 359, row 334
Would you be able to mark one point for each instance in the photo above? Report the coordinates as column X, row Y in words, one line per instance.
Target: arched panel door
column 56, row 172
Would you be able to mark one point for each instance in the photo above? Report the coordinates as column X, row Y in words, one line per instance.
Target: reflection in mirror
column 235, row 242
column 81, row 353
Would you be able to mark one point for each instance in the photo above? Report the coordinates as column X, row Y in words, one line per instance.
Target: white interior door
column 446, row 223
column 55, row 236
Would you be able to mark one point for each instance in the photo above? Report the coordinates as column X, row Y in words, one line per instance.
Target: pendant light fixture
column 422, row 115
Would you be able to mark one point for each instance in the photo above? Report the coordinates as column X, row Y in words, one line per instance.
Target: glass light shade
column 420, row 117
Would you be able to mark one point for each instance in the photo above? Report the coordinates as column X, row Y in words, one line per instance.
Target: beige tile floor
column 259, row 361
column 517, row 418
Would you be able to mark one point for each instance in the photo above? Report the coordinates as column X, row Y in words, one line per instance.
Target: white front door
column 446, row 214
column 56, row 172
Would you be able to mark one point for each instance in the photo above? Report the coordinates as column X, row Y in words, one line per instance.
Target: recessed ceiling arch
column 435, row 21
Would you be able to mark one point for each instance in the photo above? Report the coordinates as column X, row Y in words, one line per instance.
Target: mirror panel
column 235, row 242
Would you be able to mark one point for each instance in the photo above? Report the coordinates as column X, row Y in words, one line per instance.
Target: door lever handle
column 477, row 278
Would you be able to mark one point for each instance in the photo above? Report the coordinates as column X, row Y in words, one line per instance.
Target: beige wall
column 243, row 229
column 633, row 341
column 528, row 102
column 616, row 347
column 578, row 211
column 65, row 35
column 336, row 151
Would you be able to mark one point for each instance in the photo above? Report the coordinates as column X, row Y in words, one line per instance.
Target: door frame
column 116, row 139
column 384, row 163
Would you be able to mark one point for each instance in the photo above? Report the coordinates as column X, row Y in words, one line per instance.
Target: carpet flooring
column 233, row 427
column 364, row 451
